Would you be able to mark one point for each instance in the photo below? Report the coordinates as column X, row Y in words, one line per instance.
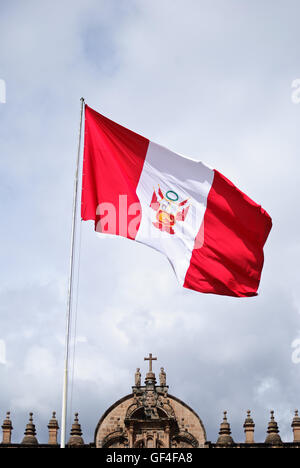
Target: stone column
column 154, row 439
column 167, row 435
column 249, row 429
column 7, row 429
column 130, row 435
column 53, row 430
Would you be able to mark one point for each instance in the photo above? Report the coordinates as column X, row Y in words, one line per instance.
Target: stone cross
column 150, row 359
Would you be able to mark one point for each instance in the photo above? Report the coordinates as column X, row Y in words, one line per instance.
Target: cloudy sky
column 209, row 79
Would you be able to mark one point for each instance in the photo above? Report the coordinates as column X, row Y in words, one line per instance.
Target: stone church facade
column 150, row 417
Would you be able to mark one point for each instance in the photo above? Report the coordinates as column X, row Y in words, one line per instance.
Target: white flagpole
column 69, row 303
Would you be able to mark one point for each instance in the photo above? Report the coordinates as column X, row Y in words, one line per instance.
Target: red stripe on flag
column 113, row 161
column 230, row 259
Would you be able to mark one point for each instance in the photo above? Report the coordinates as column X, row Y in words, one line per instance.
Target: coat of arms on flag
column 168, row 210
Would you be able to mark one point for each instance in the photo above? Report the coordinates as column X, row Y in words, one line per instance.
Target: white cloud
column 2, row 91
column 296, row 351
column 2, row 352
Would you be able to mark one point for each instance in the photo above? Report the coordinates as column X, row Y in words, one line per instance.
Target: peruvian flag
column 211, row 232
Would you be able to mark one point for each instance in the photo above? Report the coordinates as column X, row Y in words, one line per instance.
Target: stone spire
column 296, row 427
column 76, row 433
column 30, row 433
column 53, row 429
column 224, row 434
column 7, row 429
column 273, row 436
column 249, row 428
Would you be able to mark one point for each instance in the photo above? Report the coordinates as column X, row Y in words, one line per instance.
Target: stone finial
column 249, row 428
column 224, row 433
column 162, row 377
column 7, row 429
column 296, row 427
column 76, row 433
column 53, row 429
column 30, row 433
column 273, row 436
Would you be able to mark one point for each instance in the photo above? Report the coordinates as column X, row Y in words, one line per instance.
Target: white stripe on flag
column 186, row 178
